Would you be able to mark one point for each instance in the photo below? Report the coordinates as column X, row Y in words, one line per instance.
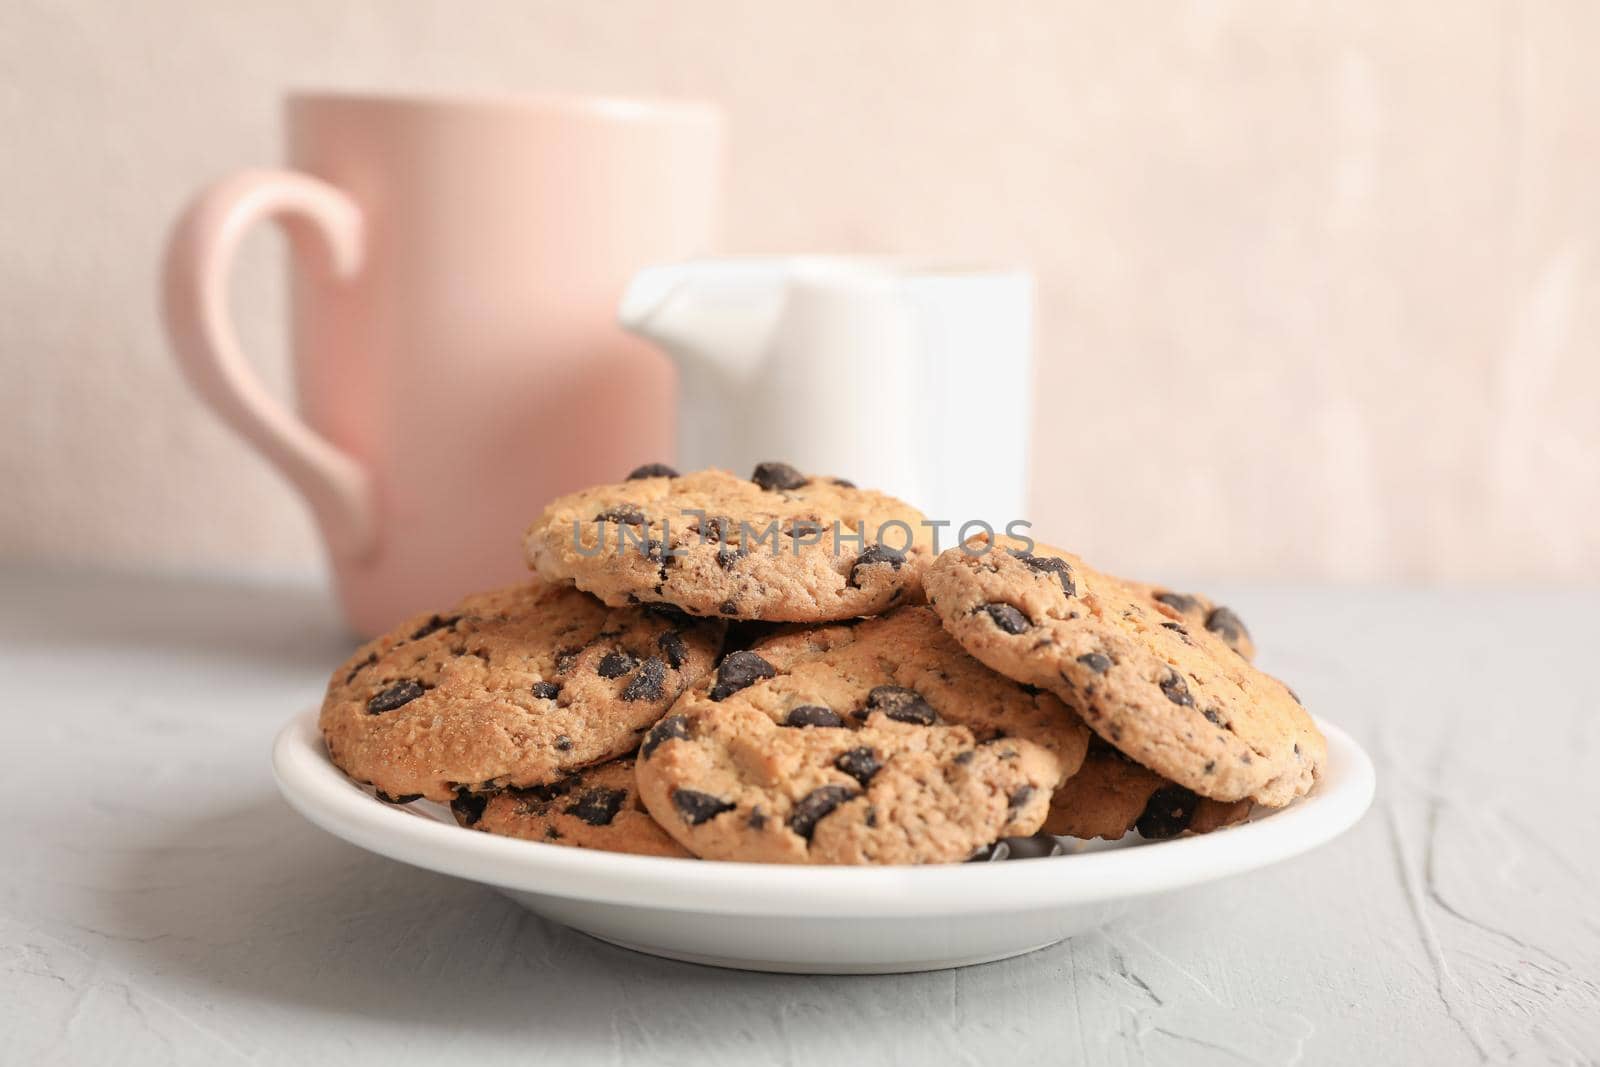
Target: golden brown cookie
column 1175, row 698
column 781, row 546
column 1112, row 795
column 731, row 784
column 886, row 711
column 517, row 687
column 598, row 807
column 904, row 662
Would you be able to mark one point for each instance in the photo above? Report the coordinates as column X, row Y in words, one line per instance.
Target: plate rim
column 324, row 796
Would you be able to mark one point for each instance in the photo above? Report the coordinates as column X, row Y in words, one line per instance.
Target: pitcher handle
column 199, row 261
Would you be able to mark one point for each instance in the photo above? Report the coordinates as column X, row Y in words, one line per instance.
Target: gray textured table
column 159, row 903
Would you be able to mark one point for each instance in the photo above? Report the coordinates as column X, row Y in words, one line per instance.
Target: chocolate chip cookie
column 731, row 784
column 904, row 664
column 517, row 687
column 598, row 807
column 1112, row 795
column 781, row 546
column 875, row 742
column 1175, row 697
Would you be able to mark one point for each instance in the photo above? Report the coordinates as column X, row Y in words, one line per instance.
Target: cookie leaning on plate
column 598, row 807
column 713, row 544
column 1177, row 699
column 517, row 687
column 1111, row 795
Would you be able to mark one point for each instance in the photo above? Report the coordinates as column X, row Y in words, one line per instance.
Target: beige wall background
column 1319, row 284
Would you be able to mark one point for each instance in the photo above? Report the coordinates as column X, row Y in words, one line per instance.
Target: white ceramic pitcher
column 910, row 377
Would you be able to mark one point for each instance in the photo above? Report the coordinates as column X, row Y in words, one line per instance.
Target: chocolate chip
column 1049, row 565
column 816, row 805
column 1212, row 716
column 598, row 806
column 844, row 483
column 803, row 528
column 622, row 514
column 961, row 759
column 1178, row 627
column 1168, row 813
column 757, row 819
column 651, row 470
column 812, row 715
column 655, row 550
column 438, row 622
column 676, row 651
column 403, row 798
column 727, row 556
column 696, row 808
column 673, row 726
column 397, row 695
column 546, row 690
column 468, row 806
column 563, row 743
column 566, row 659
column 872, row 816
column 1007, row 618
column 740, row 670
column 359, row 667
column 874, row 555
column 1178, row 602
column 1096, row 661
column 729, row 607
column 859, row 763
column 713, row 527
column 1176, row 689
column 649, row 683
column 771, row 476
column 1226, row 625
column 902, row 705
column 616, row 663
column 1020, row 797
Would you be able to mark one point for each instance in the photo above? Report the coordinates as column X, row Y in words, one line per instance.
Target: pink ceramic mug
column 457, row 359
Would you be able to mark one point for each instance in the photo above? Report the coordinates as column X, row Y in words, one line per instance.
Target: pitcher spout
column 718, row 314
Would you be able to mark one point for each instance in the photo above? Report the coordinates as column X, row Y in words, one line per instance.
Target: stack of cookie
column 784, row 670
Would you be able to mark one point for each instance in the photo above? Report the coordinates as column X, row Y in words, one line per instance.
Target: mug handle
column 199, row 261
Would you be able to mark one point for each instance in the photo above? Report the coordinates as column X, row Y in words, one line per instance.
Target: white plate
column 827, row 920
